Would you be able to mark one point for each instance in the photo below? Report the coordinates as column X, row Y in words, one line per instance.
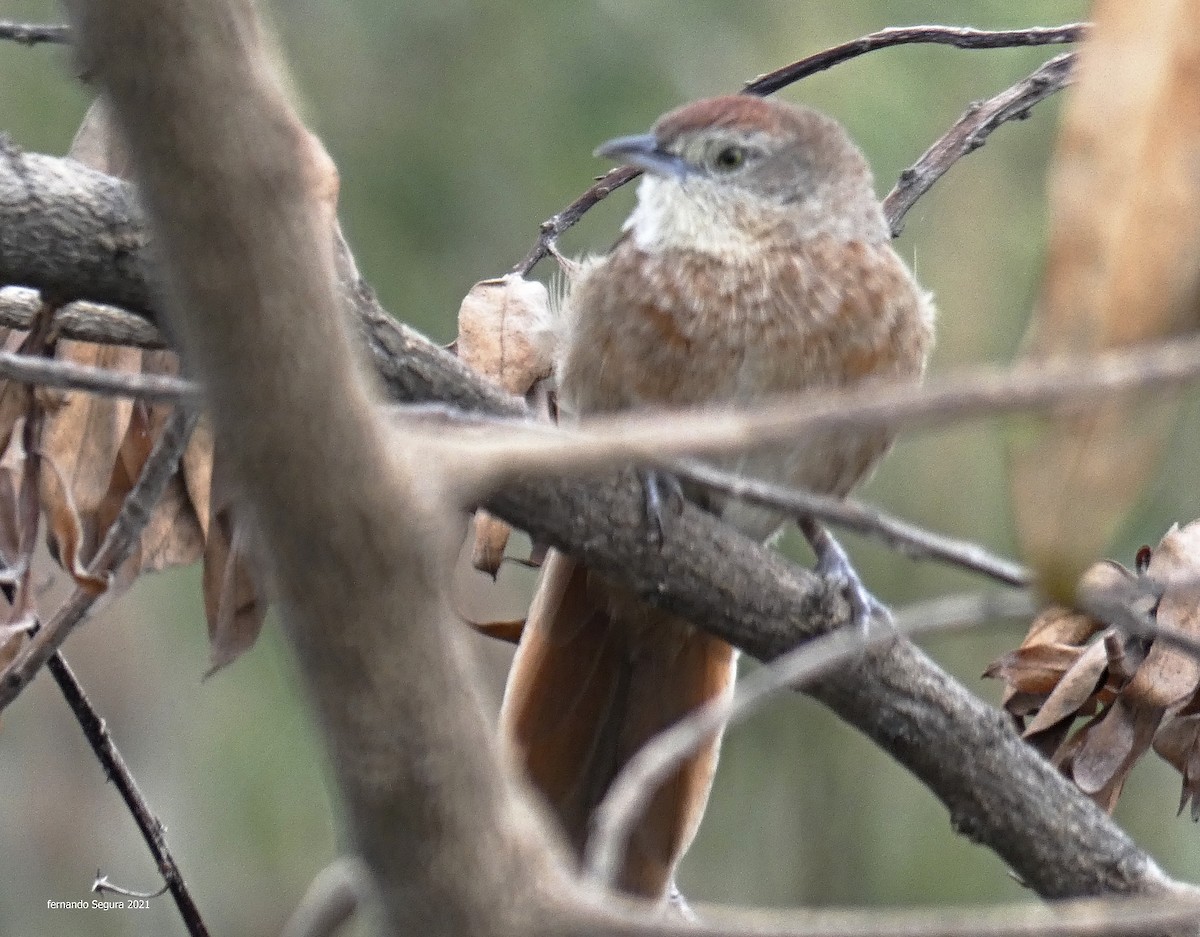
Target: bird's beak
column 642, row 150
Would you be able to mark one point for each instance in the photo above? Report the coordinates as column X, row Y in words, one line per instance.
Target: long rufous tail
column 597, row 674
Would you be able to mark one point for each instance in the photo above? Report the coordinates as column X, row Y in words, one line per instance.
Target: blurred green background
column 457, row 127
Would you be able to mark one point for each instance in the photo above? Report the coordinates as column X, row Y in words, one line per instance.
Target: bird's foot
column 677, row 903
column 834, row 566
column 663, row 499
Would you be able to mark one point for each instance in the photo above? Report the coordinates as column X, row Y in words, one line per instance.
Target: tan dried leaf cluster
column 504, row 333
column 92, row 451
column 1132, row 694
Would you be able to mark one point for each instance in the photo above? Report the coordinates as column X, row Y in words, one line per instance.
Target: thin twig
column 32, row 34
column 970, row 131
column 899, row 535
column 80, row 320
column 602, row 442
column 645, row 773
column 118, row 772
column 70, row 375
column 116, row 547
column 101, row 885
column 963, row 37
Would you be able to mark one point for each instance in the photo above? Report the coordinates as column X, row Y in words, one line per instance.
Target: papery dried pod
column 234, row 605
column 504, row 333
column 490, row 541
column 1147, row 691
column 1120, row 269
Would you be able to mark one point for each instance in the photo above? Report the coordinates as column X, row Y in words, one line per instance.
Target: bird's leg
column 663, row 494
column 832, row 563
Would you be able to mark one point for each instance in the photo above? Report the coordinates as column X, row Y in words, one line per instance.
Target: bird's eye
column 729, row 158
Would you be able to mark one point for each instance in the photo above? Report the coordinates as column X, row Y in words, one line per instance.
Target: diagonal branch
column 115, row 769
column 900, row 535
column 970, row 131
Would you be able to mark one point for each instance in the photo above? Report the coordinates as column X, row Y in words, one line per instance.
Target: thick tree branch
column 626, row 800
column 357, row 536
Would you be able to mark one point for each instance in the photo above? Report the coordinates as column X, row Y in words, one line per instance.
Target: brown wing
column 593, row 680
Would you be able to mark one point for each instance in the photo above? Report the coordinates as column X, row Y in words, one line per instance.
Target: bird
column 756, row 262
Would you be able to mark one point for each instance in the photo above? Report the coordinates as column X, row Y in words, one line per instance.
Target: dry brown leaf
column 1058, row 625
column 196, row 466
column 65, row 530
column 1122, row 267
column 504, row 333
column 491, row 538
column 1149, row 691
column 1035, row 669
column 233, row 604
column 1110, row 746
column 1077, row 688
column 507, row 631
column 83, row 438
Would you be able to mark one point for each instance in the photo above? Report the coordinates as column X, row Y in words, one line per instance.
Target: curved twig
column 969, row 133
column 961, row 37
column 1000, row 107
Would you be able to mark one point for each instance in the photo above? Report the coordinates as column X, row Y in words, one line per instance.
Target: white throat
column 690, row 214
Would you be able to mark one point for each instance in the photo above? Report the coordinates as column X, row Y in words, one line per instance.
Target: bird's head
column 722, row 172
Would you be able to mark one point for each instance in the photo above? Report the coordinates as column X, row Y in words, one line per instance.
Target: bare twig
column 102, row 885
column 900, row 535
column 1029, row 92
column 118, row 772
column 961, row 37
column 118, row 543
column 70, row 375
column 550, row 230
column 969, row 133
column 642, row 776
column 32, row 34
column 82, row 321
column 605, row 441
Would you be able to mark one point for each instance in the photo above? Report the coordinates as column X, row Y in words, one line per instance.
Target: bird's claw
column 679, row 904
column 834, row 566
column 663, row 496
